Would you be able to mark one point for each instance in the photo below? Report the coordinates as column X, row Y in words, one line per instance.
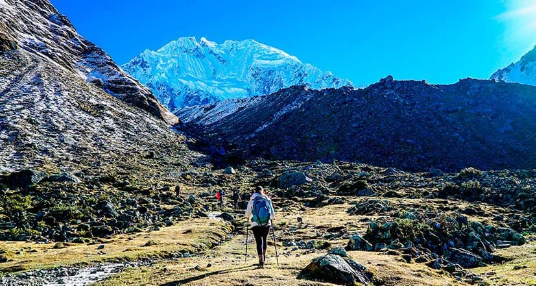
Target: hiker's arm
column 249, row 209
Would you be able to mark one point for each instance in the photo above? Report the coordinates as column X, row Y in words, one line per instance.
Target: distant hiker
column 261, row 211
column 236, row 198
column 178, row 191
column 219, row 197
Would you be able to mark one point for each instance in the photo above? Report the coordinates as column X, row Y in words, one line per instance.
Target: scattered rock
column 59, row 245
column 290, row 179
column 226, row 216
column 63, row 178
column 465, row 258
column 229, row 171
column 357, row 188
column 359, row 243
column 150, row 243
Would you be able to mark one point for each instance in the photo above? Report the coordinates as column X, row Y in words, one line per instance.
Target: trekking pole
column 275, row 243
column 247, row 237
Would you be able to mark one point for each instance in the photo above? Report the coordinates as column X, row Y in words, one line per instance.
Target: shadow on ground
column 205, row 275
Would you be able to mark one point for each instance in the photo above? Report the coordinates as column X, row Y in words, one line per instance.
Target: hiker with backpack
column 236, row 198
column 219, row 197
column 261, row 211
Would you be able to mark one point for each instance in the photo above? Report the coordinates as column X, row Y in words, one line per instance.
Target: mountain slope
column 405, row 124
column 188, row 72
column 51, row 111
column 523, row 71
column 37, row 27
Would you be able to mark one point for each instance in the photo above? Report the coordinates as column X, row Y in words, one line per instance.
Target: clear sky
column 362, row 40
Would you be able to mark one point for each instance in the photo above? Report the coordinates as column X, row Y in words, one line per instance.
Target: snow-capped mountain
column 524, row 71
column 189, row 72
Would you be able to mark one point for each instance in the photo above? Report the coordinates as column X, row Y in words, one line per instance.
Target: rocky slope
column 36, row 27
column 188, row 72
column 523, row 71
column 63, row 101
column 406, row 124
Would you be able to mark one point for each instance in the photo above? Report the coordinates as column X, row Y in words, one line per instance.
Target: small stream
column 70, row 275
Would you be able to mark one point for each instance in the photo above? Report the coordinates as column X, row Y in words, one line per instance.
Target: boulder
column 63, row 178
column 359, row 187
column 359, row 243
column 229, row 171
column 24, row 178
column 107, row 209
column 465, row 258
column 226, row 217
column 191, row 199
column 338, row 251
column 266, row 173
column 290, row 179
column 336, row 269
column 102, row 230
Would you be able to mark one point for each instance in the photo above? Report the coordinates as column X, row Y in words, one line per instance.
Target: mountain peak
column 523, row 71
column 188, row 72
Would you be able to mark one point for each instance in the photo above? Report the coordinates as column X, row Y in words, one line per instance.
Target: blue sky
column 362, row 40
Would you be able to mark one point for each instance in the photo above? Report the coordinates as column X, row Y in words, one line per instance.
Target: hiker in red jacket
column 219, row 197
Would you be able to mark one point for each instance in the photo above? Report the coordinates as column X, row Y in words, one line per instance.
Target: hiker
column 219, row 196
column 178, row 191
column 261, row 211
column 236, row 198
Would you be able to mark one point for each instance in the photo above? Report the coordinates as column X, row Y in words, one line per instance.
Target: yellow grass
column 192, row 235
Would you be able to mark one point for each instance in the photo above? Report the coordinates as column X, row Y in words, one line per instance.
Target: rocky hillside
column 188, row 72
column 62, row 99
column 407, row 124
column 36, row 27
column 523, row 71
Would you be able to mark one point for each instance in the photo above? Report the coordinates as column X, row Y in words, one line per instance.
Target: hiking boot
column 261, row 261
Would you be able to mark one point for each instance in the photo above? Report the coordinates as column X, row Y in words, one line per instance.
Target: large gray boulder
column 338, row 268
column 290, row 179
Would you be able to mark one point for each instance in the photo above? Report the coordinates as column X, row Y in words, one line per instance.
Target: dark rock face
column 337, row 268
column 409, row 125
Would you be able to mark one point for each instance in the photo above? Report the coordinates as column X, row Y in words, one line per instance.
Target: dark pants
column 261, row 235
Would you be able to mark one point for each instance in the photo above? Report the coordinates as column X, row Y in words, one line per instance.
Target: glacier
column 188, row 72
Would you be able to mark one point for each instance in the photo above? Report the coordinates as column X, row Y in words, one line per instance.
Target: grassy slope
column 192, row 236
